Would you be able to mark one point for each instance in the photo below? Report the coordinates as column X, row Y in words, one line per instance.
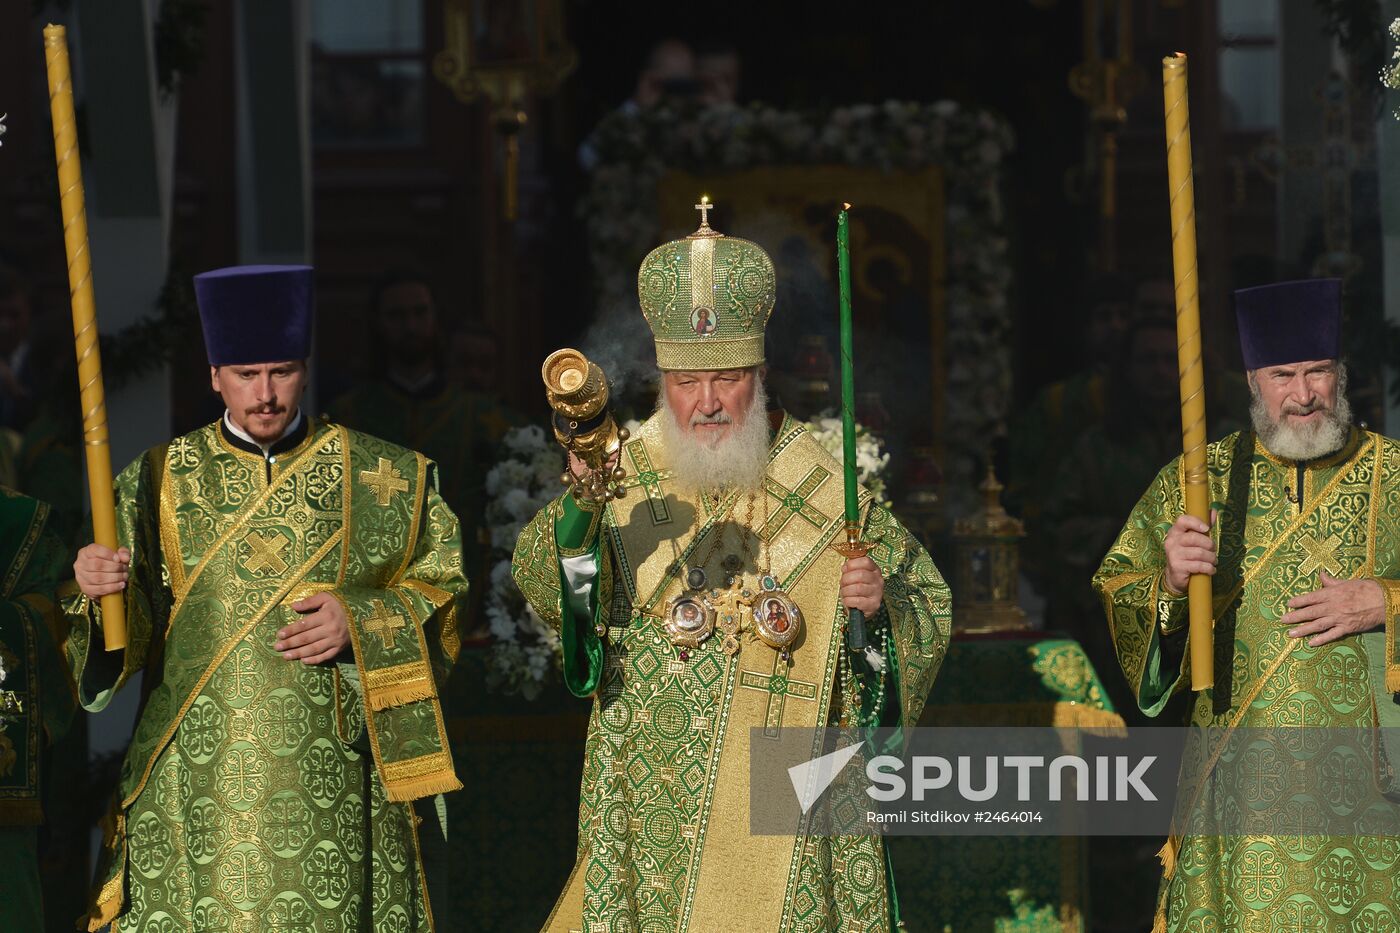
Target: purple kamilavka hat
column 255, row 314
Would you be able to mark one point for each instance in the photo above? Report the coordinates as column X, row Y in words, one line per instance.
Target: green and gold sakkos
column 259, row 792
column 664, row 840
column 1271, row 549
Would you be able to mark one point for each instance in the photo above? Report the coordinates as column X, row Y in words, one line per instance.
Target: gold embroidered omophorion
column 262, row 793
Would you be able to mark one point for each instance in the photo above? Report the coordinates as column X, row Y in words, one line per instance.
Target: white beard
column 1305, row 442
column 739, row 460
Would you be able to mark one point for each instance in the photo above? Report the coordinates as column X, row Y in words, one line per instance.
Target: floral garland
column 525, row 656
column 871, row 457
column 1390, row 74
column 634, row 150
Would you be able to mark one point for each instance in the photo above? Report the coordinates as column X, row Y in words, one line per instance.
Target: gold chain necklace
column 692, row 617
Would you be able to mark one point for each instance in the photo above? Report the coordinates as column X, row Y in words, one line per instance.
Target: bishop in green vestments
column 32, row 558
column 291, row 590
column 1305, row 555
column 707, row 604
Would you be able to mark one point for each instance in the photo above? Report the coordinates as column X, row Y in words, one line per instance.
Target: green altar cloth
column 1005, row 884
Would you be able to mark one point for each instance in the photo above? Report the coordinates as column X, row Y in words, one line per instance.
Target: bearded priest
column 291, row 590
column 1302, row 549
column 705, row 604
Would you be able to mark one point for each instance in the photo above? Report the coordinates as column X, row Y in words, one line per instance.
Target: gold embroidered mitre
column 707, row 299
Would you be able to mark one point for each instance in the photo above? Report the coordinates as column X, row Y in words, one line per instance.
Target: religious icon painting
column 704, row 321
column 777, row 619
column 689, row 621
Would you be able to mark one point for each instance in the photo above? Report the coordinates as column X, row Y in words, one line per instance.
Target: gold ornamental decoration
column 987, row 566
column 503, row 52
column 577, row 391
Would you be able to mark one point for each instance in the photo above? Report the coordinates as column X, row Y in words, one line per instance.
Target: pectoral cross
column 383, row 623
column 779, row 687
column 265, row 552
column 1320, row 554
column 385, row 481
column 730, row 604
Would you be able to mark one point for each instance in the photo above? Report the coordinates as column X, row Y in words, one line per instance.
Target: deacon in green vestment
column 32, row 558
column 706, row 604
column 1306, row 570
column 291, row 590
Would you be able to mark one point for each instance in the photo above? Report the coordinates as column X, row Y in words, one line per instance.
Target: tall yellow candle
column 91, row 395
column 1189, row 361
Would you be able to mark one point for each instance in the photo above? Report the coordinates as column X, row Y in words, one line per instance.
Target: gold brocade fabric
column 1271, row 549
column 664, row 841
column 261, row 793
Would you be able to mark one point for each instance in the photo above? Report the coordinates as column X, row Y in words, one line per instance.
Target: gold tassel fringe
column 1167, row 854
column 429, row 785
column 382, row 698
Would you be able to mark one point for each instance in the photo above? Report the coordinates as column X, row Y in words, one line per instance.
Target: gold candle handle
column 1201, row 638
column 90, row 391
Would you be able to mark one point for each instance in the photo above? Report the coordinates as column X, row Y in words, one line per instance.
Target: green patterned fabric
column 655, row 765
column 262, row 793
column 1002, row 883
column 1270, row 550
column 32, row 560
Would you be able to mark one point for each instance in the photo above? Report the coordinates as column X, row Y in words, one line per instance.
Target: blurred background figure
column 406, row 397
column 667, row 74
column 1049, row 426
column 718, row 71
column 475, row 355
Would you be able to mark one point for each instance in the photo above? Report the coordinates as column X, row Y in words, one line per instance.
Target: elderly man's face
column 709, row 405
column 1297, row 395
column 263, row 398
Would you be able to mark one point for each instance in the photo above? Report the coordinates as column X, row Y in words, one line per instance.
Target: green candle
column 848, row 379
column 856, row 639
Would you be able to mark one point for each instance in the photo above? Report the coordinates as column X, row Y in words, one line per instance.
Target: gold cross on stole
column 779, row 687
column 265, row 552
column 383, row 623
column 1320, row 554
column 385, row 481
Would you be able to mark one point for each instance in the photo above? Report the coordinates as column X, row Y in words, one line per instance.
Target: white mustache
column 719, row 417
